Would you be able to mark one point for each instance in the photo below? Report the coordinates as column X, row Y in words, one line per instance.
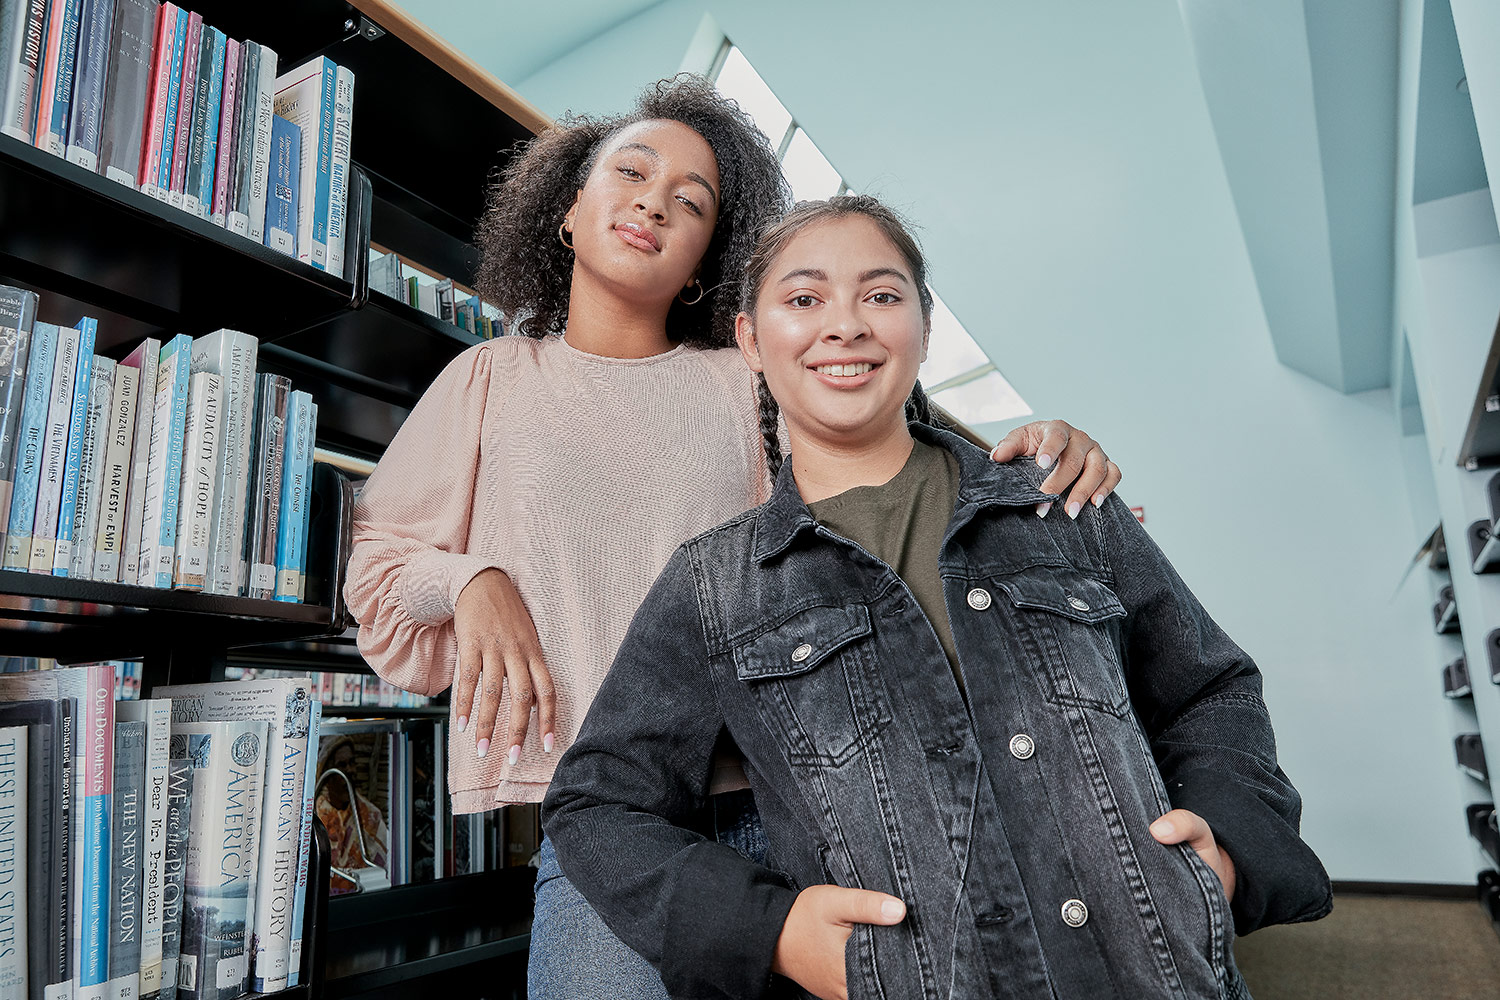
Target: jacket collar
column 982, row 483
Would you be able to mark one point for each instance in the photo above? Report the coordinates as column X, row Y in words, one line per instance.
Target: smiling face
column 838, row 332
column 644, row 217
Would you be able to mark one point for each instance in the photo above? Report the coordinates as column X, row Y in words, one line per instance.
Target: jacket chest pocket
column 1069, row 625
column 814, row 679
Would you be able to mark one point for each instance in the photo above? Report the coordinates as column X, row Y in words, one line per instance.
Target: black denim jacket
column 1101, row 695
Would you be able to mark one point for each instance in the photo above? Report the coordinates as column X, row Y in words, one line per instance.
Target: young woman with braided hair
column 518, row 518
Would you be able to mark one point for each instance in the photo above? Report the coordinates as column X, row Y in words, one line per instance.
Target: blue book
column 169, row 126
column 62, row 555
column 304, row 850
column 284, row 186
column 312, row 443
column 96, row 26
column 98, row 796
column 294, row 495
column 29, row 445
column 164, row 466
column 55, row 93
column 206, row 132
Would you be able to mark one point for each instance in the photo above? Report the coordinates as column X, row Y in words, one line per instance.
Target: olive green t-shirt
column 902, row 523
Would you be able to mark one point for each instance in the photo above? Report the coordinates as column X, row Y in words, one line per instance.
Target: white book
column 95, row 440
column 229, row 761
column 427, row 299
column 338, row 183
column 114, row 478
column 144, row 359
column 200, row 455
column 156, row 713
column 13, row 874
column 284, row 704
column 231, row 356
column 304, row 97
column 54, row 451
column 260, row 173
column 164, row 468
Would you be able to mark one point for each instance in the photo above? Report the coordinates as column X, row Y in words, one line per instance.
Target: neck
column 601, row 322
column 825, row 467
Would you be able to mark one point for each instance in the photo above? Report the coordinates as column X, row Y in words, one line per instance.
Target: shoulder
column 725, row 362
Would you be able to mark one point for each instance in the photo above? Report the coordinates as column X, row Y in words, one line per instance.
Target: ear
column 926, row 336
column 744, row 335
column 572, row 211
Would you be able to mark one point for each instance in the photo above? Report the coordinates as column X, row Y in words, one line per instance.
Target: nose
column 652, row 202
column 845, row 324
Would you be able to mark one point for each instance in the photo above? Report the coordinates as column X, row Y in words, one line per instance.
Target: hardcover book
column 304, row 846
column 115, row 474
column 95, row 441
column 187, row 100
column 54, row 451
column 260, row 169
column 145, row 359
column 304, row 97
column 294, row 494
column 164, row 471
column 22, row 23
column 17, row 317
column 14, row 898
column 73, row 461
column 125, row 863
column 338, row 176
column 204, row 139
column 94, row 860
column 231, row 356
column 29, row 451
column 174, row 871
column 271, row 411
column 205, row 427
column 127, row 89
column 56, row 90
column 247, row 96
column 155, row 714
column 307, row 502
column 86, row 116
column 173, row 110
column 46, row 840
column 282, row 202
column 155, row 112
column 228, row 132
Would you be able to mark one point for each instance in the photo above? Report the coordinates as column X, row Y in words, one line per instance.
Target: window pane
column 739, row 82
column 810, row 174
column 950, row 349
column 983, row 400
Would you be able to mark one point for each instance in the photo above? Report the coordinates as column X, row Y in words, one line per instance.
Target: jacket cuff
column 431, row 583
column 726, row 915
column 1278, row 878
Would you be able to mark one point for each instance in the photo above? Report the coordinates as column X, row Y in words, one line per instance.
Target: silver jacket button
column 1079, row 604
column 1022, row 746
column 979, row 598
column 1074, row 913
column 802, row 652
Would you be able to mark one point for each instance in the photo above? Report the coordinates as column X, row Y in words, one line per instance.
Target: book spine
column 196, row 506
column 54, row 451
column 57, row 76
column 164, row 475
column 95, row 441
column 14, row 981
column 304, row 847
column 98, row 787
column 125, row 861
column 89, row 68
column 293, row 496
column 156, row 715
column 73, row 462
column 232, row 356
column 228, row 118
column 26, row 22
column 338, row 189
column 260, row 170
column 307, row 479
column 174, row 869
column 205, row 139
column 29, row 441
column 281, row 225
column 303, row 99
column 155, row 116
column 198, row 120
column 187, row 93
column 64, row 859
column 271, row 431
column 17, row 320
column 145, row 359
column 281, row 836
column 163, row 190
column 115, row 475
column 127, row 90
column 248, row 91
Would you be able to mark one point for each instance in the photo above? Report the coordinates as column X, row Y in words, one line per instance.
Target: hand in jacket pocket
column 1183, row 827
column 810, row 949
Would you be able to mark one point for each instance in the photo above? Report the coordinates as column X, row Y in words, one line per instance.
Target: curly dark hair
column 526, row 272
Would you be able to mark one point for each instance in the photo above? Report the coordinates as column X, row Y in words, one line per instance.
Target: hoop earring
column 561, row 229
column 701, row 292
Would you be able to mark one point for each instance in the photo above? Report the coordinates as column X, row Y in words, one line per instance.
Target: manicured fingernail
column 547, row 742
column 463, row 722
column 1044, row 460
column 1042, row 509
column 1074, row 508
column 1162, row 828
column 515, row 755
column 892, row 909
column 483, row 747
column 1098, row 499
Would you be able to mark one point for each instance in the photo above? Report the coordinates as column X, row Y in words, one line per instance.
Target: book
column 174, row 870
column 187, row 94
column 260, row 167
column 94, row 861
column 145, row 360
column 55, row 79
column 283, row 183
column 95, row 441
column 155, row 714
column 273, row 397
column 304, row 847
column 17, row 317
column 307, row 503
column 46, row 840
column 90, row 66
column 223, row 852
column 155, row 113
column 173, row 110
column 73, row 461
column 54, row 451
column 247, row 94
column 228, row 133
column 115, row 475
column 164, row 470
column 231, row 356
column 385, row 277
column 203, row 141
column 196, row 505
column 22, row 23
column 338, row 171
column 29, row 452
column 304, row 97
column 126, row 89
column 285, row 706
column 14, row 897
column 294, row 495
column 125, row 861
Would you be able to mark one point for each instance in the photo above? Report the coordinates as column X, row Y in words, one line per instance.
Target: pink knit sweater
column 577, row 475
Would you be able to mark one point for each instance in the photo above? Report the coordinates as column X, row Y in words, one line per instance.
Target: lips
column 850, row 373
column 638, row 236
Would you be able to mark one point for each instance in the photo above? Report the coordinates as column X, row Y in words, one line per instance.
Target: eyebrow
column 814, row 274
column 656, row 156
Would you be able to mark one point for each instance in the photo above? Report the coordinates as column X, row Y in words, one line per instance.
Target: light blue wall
column 1061, row 160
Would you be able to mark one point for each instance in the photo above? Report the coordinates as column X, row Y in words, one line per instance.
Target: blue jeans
column 574, row 956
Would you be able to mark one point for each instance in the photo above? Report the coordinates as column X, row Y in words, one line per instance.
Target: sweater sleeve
column 411, row 529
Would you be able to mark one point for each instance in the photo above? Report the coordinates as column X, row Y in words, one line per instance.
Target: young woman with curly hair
column 540, row 484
